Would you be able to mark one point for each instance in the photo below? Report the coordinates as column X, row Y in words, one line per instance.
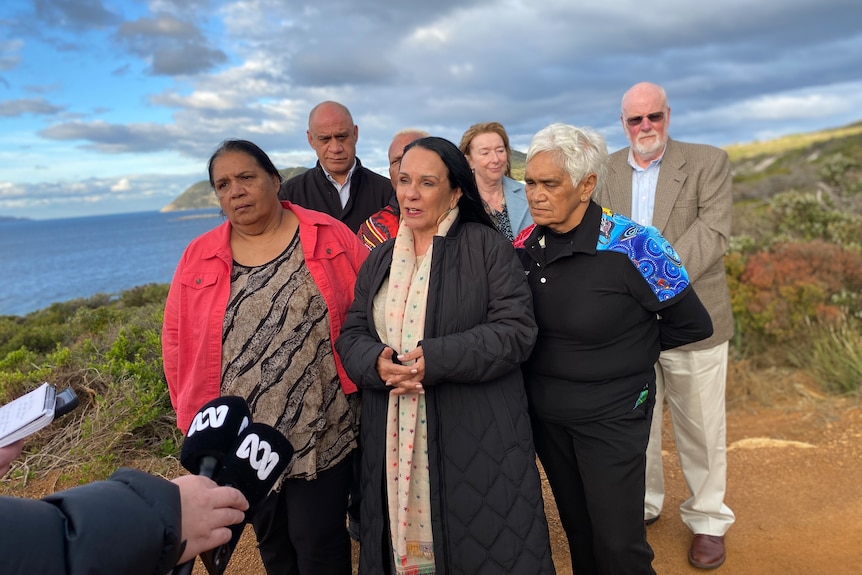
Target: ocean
column 47, row 261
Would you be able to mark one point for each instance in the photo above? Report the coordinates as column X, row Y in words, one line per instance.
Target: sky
column 110, row 106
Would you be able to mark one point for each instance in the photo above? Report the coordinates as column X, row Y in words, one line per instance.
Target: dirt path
column 795, row 485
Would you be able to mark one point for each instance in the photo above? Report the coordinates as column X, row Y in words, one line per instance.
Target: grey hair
column 580, row 151
column 411, row 132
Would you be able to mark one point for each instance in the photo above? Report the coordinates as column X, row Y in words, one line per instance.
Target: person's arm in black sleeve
column 131, row 524
column 103, row 527
column 684, row 321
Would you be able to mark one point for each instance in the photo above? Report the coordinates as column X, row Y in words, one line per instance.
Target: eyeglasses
column 654, row 118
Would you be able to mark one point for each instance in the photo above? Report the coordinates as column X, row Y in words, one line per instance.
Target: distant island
column 200, row 195
column 12, row 219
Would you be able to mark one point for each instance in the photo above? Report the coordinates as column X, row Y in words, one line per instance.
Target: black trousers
column 301, row 530
column 596, row 471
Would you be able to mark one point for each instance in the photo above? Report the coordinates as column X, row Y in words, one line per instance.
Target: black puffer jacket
column 128, row 524
column 486, row 499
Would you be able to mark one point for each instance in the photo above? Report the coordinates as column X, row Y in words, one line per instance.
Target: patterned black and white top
column 276, row 352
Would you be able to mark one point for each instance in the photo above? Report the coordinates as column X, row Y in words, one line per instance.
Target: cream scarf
column 408, row 483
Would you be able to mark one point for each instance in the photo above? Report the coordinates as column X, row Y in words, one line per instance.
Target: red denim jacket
column 197, row 300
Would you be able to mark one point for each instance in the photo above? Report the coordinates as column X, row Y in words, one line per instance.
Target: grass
column 790, row 143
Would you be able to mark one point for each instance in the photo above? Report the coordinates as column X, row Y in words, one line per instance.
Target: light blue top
column 516, row 205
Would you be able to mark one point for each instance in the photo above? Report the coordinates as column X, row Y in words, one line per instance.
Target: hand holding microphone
column 222, row 444
column 260, row 457
column 208, row 512
column 212, row 433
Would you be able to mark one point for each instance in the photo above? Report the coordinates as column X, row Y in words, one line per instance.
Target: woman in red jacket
column 253, row 310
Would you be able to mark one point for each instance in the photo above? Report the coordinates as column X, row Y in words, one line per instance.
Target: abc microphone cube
column 212, row 433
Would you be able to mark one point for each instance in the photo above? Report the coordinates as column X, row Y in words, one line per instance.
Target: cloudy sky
column 115, row 105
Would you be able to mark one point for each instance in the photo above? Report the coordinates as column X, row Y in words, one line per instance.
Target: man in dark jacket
column 338, row 185
column 132, row 523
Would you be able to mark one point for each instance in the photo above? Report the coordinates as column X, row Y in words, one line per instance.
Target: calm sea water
column 47, row 261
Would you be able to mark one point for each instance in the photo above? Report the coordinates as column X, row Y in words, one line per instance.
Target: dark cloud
column 172, row 46
column 188, row 59
column 113, row 138
column 34, row 106
column 316, row 69
column 74, row 14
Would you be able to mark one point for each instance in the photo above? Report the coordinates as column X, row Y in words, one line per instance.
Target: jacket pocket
column 195, row 280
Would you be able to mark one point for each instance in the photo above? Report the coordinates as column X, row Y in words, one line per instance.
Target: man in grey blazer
column 684, row 190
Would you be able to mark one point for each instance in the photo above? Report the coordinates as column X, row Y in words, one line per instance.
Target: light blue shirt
column 644, row 182
column 343, row 189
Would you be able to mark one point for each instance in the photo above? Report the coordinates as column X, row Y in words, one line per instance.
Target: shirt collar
column 582, row 238
column 346, row 180
column 633, row 163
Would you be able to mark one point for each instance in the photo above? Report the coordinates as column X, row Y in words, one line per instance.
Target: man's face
column 645, row 120
column 396, row 152
column 333, row 136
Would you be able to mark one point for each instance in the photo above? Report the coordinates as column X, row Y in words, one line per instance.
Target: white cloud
column 122, row 185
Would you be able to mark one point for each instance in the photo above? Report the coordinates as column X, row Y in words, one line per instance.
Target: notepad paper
column 27, row 414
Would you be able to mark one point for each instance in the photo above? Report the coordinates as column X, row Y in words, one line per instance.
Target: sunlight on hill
column 788, row 143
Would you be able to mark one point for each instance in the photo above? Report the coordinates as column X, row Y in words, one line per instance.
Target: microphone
column 259, row 457
column 212, row 433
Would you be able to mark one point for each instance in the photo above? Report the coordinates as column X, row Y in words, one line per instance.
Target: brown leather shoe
column 651, row 520
column 707, row 551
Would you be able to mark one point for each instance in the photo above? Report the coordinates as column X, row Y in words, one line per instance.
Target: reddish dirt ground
column 794, row 483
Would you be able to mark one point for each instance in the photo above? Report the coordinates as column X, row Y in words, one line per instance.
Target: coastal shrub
column 777, row 293
column 145, row 295
column 110, row 354
column 836, row 170
column 832, row 354
column 809, row 216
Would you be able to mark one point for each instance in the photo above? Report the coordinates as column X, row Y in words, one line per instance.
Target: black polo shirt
column 596, row 308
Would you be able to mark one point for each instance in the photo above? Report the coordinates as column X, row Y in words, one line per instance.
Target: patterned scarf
column 408, row 483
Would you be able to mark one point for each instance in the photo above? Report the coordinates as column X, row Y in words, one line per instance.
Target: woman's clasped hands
column 400, row 377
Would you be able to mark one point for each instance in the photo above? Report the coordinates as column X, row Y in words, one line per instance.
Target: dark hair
column 460, row 176
column 248, row 148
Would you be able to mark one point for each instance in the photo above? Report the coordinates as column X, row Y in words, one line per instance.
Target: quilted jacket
column 486, row 500
column 128, row 524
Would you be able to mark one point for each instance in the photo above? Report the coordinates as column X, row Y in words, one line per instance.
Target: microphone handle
column 216, row 560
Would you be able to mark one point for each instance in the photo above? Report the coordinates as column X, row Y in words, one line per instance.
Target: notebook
column 27, row 414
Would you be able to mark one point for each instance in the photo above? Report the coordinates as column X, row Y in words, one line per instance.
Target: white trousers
column 693, row 382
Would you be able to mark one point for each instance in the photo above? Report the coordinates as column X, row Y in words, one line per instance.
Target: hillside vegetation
column 794, row 267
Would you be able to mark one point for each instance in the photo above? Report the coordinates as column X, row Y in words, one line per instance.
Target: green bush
column 109, row 350
column 810, row 216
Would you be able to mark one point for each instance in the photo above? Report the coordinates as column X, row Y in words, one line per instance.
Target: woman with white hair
column 609, row 295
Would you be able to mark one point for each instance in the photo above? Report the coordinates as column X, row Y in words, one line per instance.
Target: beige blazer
column 693, row 202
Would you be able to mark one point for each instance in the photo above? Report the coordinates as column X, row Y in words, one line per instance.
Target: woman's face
column 245, row 192
column 423, row 190
column 488, row 156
